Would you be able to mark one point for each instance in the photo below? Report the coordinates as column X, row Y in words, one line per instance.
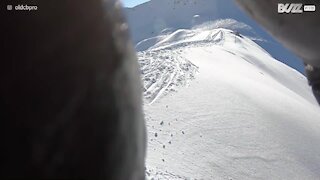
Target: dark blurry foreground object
column 70, row 93
column 299, row 32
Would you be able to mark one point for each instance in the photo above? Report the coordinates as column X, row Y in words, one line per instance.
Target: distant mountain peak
column 154, row 18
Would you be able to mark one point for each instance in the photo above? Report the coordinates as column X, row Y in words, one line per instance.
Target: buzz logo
column 294, row 8
column 289, row 8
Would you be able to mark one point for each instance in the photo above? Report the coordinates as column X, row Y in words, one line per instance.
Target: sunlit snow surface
column 218, row 106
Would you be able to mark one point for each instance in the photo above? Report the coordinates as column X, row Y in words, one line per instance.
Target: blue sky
column 132, row 3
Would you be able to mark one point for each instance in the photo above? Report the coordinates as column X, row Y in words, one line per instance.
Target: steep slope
column 236, row 113
column 156, row 17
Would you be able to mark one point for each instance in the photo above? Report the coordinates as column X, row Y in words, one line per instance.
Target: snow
column 155, row 17
column 163, row 71
column 218, row 106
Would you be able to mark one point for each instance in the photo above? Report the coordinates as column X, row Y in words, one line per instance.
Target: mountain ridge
column 147, row 20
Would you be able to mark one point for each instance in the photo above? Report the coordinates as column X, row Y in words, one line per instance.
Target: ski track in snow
column 233, row 119
column 163, row 71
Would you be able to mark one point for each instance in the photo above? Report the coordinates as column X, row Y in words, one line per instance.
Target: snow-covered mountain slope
column 150, row 20
column 235, row 112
